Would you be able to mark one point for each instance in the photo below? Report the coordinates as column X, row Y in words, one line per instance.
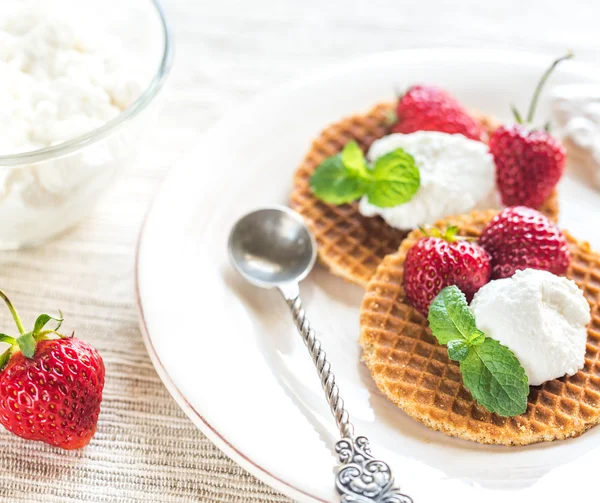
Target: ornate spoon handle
column 360, row 478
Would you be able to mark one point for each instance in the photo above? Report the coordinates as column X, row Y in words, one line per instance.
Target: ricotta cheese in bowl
column 56, row 85
column 457, row 175
column 69, row 79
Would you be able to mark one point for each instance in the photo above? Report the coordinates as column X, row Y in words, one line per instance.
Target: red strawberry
column 522, row 238
column 50, row 388
column 529, row 162
column 434, row 263
column 429, row 108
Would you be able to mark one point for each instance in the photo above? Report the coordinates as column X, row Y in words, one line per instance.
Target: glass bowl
column 46, row 191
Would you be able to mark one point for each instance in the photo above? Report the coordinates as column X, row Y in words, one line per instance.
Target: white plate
column 228, row 352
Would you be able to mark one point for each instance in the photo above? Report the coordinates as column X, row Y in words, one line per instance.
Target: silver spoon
column 272, row 248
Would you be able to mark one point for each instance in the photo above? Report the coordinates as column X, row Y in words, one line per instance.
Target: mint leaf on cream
column 458, row 350
column 345, row 177
column 334, row 183
column 476, row 338
column 449, row 316
column 490, row 371
column 353, row 158
column 395, row 179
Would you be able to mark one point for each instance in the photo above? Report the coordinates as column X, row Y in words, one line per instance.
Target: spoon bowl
column 271, row 247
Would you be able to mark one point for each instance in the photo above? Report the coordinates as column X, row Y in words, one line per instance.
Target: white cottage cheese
column 57, row 82
column 457, row 175
column 541, row 317
column 67, row 68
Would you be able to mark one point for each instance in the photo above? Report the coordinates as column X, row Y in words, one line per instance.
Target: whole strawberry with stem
column 522, row 238
column 529, row 161
column 430, row 108
column 50, row 385
column 440, row 260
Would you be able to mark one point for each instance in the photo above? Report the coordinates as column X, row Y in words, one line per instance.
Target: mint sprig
column 490, row 371
column 345, row 177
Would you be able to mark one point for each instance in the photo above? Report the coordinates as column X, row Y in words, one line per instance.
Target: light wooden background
column 227, row 52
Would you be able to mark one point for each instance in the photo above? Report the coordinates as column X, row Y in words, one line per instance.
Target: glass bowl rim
column 106, row 129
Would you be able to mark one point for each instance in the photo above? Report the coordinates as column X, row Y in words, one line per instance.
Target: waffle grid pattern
column 349, row 244
column 414, row 372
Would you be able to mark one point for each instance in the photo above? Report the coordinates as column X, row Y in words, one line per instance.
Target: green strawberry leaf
column 395, row 179
column 41, row 321
column 334, row 183
column 8, row 339
column 27, row 344
column 495, row 378
column 449, row 316
column 458, row 350
column 450, row 233
column 4, row 357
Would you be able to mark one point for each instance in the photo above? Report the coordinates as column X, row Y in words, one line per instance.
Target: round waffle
column 351, row 245
column 414, row 371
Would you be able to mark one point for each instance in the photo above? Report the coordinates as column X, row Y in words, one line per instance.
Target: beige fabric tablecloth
column 146, row 450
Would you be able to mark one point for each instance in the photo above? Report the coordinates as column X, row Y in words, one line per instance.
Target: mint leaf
column 395, row 179
column 476, row 338
column 335, row 184
column 458, row 350
column 449, row 316
column 495, row 378
column 353, row 157
column 345, row 177
column 490, row 371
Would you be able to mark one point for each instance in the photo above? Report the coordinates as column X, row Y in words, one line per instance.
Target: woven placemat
column 146, row 449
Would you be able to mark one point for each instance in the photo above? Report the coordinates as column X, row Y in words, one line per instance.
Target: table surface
column 228, row 51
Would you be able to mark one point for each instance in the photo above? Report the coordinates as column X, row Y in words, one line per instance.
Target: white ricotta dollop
column 58, row 81
column 576, row 113
column 457, row 175
column 541, row 317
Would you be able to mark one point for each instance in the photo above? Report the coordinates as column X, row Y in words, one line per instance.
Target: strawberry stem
column 540, row 85
column 13, row 312
column 516, row 114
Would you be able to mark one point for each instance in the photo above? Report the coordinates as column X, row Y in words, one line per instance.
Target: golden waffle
column 414, row 371
column 351, row 245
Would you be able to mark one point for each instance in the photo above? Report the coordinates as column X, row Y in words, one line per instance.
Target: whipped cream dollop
column 576, row 108
column 540, row 317
column 457, row 175
column 576, row 113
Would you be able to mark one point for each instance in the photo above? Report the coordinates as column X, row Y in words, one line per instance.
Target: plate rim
column 224, row 445
column 320, row 73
